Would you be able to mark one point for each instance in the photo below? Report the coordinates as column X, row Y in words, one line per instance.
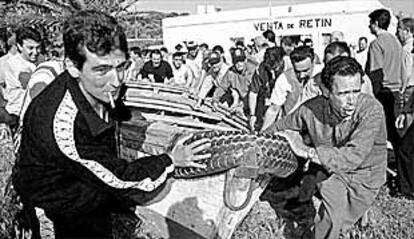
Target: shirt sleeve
column 95, row 165
column 206, row 87
column 190, row 77
column 407, row 65
column 349, row 157
column 144, row 71
column 257, row 83
column 280, row 91
column 223, row 85
column 169, row 73
column 375, row 57
column 294, row 121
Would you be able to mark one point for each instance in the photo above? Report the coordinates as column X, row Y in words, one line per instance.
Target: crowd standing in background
column 346, row 108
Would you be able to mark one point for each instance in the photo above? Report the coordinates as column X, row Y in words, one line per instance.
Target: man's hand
column 404, row 120
column 400, row 121
column 252, row 121
column 296, row 143
column 199, row 104
column 236, row 108
column 185, row 155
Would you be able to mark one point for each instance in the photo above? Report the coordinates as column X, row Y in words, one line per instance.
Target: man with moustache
column 347, row 135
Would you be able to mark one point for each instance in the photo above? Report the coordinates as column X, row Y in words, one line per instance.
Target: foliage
column 47, row 16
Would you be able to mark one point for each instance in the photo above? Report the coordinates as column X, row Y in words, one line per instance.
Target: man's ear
column 19, row 47
column 71, row 68
column 325, row 91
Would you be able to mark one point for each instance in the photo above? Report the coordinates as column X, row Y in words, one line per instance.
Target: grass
column 389, row 217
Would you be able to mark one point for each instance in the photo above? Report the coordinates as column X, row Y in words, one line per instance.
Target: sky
column 190, row 6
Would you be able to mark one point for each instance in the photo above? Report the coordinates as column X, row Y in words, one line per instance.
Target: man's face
column 402, row 32
column 193, row 52
column 287, row 49
column 29, row 50
column 103, row 75
column 373, row 27
column 303, row 70
column 216, row 67
column 240, row 66
column 156, row 60
column 344, row 94
column 134, row 56
column 3, row 49
column 362, row 44
column 178, row 61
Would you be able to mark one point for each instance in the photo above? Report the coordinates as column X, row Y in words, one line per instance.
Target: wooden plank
column 163, row 102
column 180, row 121
column 157, row 87
column 134, row 94
column 191, row 100
column 170, row 109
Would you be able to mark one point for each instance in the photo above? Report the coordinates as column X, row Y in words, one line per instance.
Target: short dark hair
column 177, row 53
column 145, row 52
column 164, row 49
column 307, row 41
column 408, row 23
column 337, row 48
column 273, row 56
column 239, row 43
column 178, row 47
column 97, row 31
column 156, row 52
column 219, row 49
column 382, row 17
column 269, row 35
column 363, row 39
column 287, row 40
column 301, row 53
column 340, row 65
column 27, row 33
column 136, row 50
column 205, row 45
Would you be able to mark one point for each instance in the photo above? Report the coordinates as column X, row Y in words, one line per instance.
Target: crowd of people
column 340, row 113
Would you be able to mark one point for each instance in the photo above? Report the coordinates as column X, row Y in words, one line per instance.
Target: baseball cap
column 214, row 58
column 238, row 55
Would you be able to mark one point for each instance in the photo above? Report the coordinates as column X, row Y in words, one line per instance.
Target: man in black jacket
column 69, row 165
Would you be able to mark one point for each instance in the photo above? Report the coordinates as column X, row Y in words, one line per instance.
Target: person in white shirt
column 362, row 53
column 288, row 46
column 293, row 87
column 194, row 60
column 405, row 32
column 213, row 76
column 261, row 45
column 183, row 75
column 342, row 49
column 17, row 70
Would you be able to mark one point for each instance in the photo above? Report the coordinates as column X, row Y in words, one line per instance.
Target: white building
column 312, row 20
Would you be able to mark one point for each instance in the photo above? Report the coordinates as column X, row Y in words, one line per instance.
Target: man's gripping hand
column 184, row 155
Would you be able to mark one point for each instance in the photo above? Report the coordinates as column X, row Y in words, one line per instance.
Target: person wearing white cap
column 234, row 87
column 213, row 76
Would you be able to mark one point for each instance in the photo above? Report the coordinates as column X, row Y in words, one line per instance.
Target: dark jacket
column 68, row 156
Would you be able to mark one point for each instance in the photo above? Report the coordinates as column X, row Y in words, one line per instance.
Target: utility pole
column 205, row 6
